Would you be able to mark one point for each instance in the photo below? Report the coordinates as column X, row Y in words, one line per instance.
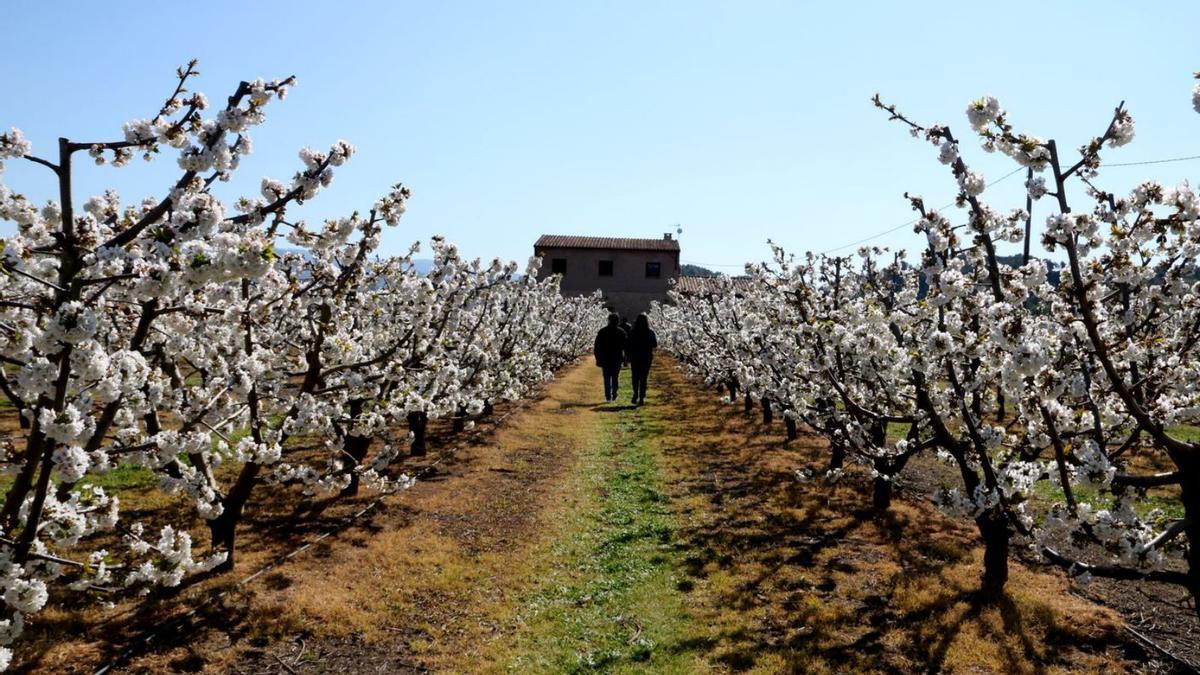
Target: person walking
column 610, row 354
column 640, row 352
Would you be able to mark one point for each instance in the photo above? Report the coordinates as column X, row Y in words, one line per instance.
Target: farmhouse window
column 653, row 270
column 558, row 266
column 606, row 268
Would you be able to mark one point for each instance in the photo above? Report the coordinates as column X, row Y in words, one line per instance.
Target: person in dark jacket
column 610, row 354
column 640, row 352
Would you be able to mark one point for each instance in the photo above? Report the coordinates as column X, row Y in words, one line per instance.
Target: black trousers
column 612, row 378
column 640, row 372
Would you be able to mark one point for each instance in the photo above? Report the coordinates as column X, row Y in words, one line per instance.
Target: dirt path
column 582, row 536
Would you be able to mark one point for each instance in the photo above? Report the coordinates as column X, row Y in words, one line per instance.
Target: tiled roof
column 624, row 243
column 705, row 285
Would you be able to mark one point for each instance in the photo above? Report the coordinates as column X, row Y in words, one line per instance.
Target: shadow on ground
column 179, row 629
column 806, row 577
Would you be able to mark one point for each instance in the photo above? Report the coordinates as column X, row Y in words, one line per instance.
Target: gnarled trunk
column 881, row 494
column 881, row 489
column 993, row 528
column 790, row 424
column 417, row 422
column 768, row 414
column 885, row 481
column 1190, row 496
column 223, row 528
column 356, row 447
column 837, row 454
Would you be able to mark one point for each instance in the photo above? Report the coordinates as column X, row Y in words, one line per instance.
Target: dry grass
column 440, row 571
column 75, row 633
column 440, row 583
column 464, row 519
column 804, row 577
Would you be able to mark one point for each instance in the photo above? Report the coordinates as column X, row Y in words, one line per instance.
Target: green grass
column 124, row 477
column 1050, row 491
column 1185, row 432
column 1159, row 498
column 611, row 600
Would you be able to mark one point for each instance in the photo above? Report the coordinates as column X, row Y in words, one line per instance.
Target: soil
column 1159, row 616
column 471, row 490
column 782, row 576
column 827, row 585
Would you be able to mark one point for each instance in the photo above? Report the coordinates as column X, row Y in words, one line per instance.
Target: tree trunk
column 417, row 421
column 1190, row 496
column 749, row 403
column 732, row 386
column 993, row 527
column 879, row 433
column 356, row 448
column 837, row 455
column 460, row 420
column 768, row 414
column 790, row 423
column 882, row 490
column 488, row 409
column 223, row 528
column 881, row 494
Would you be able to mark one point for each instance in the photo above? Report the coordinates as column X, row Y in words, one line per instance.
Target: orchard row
column 174, row 334
column 1062, row 396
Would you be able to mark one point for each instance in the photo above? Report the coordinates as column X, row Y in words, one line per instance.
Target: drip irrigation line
column 1185, row 665
column 148, row 637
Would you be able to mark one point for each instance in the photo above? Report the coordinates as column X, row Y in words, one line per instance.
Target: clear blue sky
column 742, row 121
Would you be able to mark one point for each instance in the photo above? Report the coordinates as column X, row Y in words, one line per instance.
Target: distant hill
column 1053, row 269
column 697, row 271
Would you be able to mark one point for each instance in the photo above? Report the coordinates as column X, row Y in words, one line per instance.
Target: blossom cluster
column 185, row 338
column 1049, row 395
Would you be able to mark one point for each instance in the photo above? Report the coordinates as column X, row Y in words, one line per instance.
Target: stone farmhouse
column 630, row 272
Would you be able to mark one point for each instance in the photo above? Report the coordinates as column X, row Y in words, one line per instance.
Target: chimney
column 666, row 236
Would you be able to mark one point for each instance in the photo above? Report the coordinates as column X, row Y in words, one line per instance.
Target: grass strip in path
column 610, row 599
